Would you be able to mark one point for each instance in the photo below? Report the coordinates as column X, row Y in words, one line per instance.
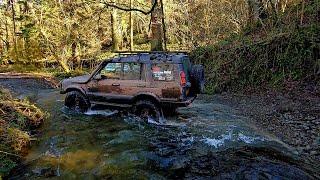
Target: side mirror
column 97, row 77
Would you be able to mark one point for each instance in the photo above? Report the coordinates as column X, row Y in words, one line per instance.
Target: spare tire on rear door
column 197, row 79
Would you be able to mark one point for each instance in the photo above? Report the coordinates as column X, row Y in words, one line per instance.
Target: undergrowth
column 282, row 56
column 17, row 119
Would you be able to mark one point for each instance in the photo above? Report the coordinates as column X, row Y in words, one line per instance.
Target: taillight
column 183, row 80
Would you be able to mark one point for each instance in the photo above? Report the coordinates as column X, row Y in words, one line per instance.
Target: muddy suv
column 148, row 83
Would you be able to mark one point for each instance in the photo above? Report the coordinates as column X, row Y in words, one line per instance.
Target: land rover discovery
column 147, row 83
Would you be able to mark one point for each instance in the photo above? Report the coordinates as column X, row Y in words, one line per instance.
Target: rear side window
column 163, row 72
column 131, row 71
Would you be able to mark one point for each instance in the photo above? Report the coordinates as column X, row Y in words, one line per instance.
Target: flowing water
column 207, row 140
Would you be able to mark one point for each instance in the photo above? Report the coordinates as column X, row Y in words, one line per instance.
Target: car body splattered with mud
column 146, row 82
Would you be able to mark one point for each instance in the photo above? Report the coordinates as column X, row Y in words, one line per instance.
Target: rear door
column 133, row 80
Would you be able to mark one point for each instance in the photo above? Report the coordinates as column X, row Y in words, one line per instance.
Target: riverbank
column 293, row 117
column 18, row 121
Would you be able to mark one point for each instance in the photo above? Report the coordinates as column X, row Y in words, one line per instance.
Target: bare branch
column 113, row 5
column 7, row 153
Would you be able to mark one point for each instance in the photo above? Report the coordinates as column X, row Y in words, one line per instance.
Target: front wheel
column 146, row 109
column 77, row 101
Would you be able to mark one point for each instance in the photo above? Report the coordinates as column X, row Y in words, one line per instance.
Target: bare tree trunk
column 115, row 30
column 62, row 63
column 163, row 26
column 131, row 28
column 14, row 25
column 302, row 12
column 156, row 28
column 74, row 58
column 7, row 35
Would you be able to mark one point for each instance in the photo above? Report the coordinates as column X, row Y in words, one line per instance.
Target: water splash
column 218, row 142
column 234, row 138
column 249, row 139
column 101, row 112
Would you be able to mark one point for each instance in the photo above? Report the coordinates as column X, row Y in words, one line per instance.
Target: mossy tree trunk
column 156, row 28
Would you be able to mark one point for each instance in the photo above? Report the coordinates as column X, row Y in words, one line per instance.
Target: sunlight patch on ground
column 77, row 161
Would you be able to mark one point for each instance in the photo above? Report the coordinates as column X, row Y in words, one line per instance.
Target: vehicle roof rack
column 151, row 54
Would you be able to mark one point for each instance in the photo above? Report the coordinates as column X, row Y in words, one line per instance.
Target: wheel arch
column 70, row 89
column 146, row 96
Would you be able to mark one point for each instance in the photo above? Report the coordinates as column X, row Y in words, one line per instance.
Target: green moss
column 6, row 165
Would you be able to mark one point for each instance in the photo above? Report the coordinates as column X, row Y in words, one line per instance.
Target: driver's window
column 111, row 71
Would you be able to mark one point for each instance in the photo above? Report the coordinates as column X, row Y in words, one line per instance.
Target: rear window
column 163, row 72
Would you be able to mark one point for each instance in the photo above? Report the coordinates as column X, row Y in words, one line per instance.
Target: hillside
column 278, row 54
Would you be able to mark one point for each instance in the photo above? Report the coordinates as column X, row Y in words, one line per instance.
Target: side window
column 111, row 71
column 163, row 72
column 131, row 71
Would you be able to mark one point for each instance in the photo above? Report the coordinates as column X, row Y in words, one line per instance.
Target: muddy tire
column 77, row 101
column 197, row 79
column 169, row 111
column 145, row 109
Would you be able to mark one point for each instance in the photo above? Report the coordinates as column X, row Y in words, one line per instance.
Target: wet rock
column 180, row 163
column 313, row 153
column 123, row 137
column 45, row 172
column 165, row 152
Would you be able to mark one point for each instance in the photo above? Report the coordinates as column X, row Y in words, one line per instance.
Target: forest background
column 241, row 43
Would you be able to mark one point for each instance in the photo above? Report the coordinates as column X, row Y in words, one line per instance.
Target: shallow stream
column 207, row 140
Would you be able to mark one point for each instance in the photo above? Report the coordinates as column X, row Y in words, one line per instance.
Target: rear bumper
column 175, row 103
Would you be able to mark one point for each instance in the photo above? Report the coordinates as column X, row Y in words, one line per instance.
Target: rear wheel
column 146, row 109
column 197, row 79
column 76, row 101
column 170, row 111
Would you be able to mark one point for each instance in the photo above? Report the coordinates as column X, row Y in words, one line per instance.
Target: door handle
column 115, row 84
